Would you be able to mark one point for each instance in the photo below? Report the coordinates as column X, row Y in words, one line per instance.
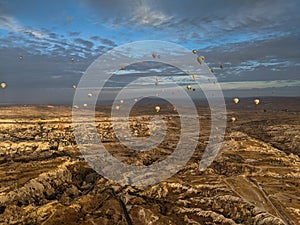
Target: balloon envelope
column 157, row 108
column 236, row 100
column 256, row 101
column 200, row 59
column 3, row 85
column 194, row 51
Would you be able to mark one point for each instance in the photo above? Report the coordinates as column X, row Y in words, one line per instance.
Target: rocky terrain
column 255, row 178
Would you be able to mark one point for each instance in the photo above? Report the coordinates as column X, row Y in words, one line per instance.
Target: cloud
column 104, row 41
column 85, row 43
column 52, row 35
column 207, row 16
column 256, row 41
column 74, row 33
column 147, row 16
column 259, row 84
column 56, row 77
column 11, row 24
column 58, row 46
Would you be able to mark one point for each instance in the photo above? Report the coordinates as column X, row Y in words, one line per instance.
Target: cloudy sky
column 257, row 42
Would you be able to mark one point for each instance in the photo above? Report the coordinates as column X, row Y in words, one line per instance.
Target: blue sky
column 257, row 42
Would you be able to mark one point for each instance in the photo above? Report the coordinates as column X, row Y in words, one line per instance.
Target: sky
column 257, row 42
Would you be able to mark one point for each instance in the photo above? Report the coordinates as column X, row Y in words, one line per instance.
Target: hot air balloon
column 157, row 108
column 256, row 101
column 20, row 57
column 189, row 87
column 212, row 70
column 233, row 119
column 74, row 86
column 90, row 94
column 122, row 67
column 194, row 51
column 72, row 59
column 153, row 55
column 3, row 85
column 236, row 100
column 200, row 59
column 156, row 81
column 194, row 76
column 121, row 101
